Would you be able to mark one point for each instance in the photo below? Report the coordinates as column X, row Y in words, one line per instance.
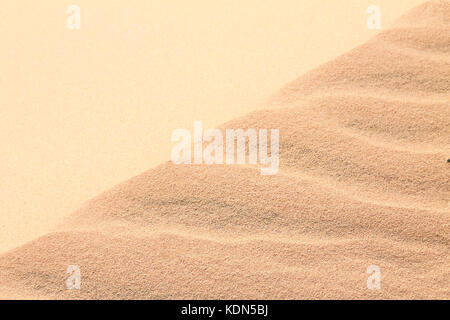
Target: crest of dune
column 363, row 180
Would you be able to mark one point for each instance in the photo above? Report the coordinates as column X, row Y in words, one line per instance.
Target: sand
column 363, row 180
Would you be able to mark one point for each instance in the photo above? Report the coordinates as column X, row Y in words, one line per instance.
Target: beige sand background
column 83, row 110
column 364, row 143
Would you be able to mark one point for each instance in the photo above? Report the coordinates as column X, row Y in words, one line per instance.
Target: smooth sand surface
column 363, row 180
column 84, row 110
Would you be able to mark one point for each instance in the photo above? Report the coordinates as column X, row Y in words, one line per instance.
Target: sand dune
column 363, row 180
